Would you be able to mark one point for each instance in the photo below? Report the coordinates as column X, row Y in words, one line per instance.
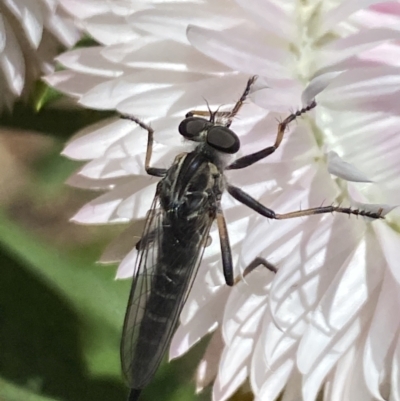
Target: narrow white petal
column 208, row 366
column 395, row 382
column 337, row 166
column 275, row 383
column 169, row 56
column 85, row 9
column 382, row 333
column 30, row 15
column 280, row 95
column 78, row 181
column 241, row 49
column 358, row 278
column 342, row 12
column 124, row 243
column 336, row 347
column 352, row 45
column 245, row 300
column 12, row 62
column 136, row 205
column 93, row 141
column 105, row 209
column 315, row 342
column 366, row 89
column 204, row 321
column 357, row 388
column 292, row 390
column 3, row 34
column 164, row 21
column 341, row 376
column 109, row 29
column 234, row 362
column 110, row 93
column 270, row 17
column 90, row 61
column 73, row 83
column 179, row 99
column 317, row 85
column 103, row 168
column 389, row 240
column 126, row 268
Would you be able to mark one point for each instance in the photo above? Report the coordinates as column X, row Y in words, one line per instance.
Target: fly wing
column 169, row 255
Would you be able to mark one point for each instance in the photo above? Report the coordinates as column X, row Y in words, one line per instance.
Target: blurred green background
column 60, row 313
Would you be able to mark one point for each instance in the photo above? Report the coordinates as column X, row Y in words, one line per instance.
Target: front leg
column 248, row 160
column 154, row 171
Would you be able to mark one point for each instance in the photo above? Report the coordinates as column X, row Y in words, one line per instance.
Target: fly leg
column 154, row 171
column 258, row 261
column 226, row 251
column 229, row 115
column 252, row 203
column 226, row 254
column 252, row 158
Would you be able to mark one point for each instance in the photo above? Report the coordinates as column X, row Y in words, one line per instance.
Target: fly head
column 219, row 137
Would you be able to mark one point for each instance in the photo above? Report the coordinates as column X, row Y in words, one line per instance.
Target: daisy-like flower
column 31, row 34
column 327, row 321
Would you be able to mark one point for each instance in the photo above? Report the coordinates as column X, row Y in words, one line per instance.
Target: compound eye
column 223, row 139
column 192, row 127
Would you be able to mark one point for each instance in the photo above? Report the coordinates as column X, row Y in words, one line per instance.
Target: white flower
column 328, row 320
column 31, row 32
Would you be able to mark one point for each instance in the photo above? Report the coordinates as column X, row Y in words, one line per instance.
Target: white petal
column 12, row 62
column 167, row 55
column 126, row 268
column 204, row 322
column 395, row 383
column 78, row 181
column 343, row 11
column 241, row 49
column 352, row 287
column 30, row 15
column 123, row 244
column 85, row 9
column 107, row 95
column 317, row 85
column 352, row 45
column 270, row 17
column 279, row 96
column 93, row 141
column 356, row 387
column 233, row 367
column 105, row 209
column 136, row 205
column 164, row 21
column 382, row 333
column 341, row 375
column 336, row 347
column 245, row 300
column 90, row 61
column 109, row 29
column 208, row 366
column 72, row 83
column 275, row 383
column 368, row 89
column 389, row 240
column 179, row 99
column 337, row 166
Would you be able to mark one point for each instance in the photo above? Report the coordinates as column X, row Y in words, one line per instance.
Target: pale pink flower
column 328, row 320
column 31, row 34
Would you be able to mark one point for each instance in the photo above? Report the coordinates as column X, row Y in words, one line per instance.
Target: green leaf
column 10, row 392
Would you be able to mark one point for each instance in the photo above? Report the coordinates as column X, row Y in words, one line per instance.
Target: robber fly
column 186, row 203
